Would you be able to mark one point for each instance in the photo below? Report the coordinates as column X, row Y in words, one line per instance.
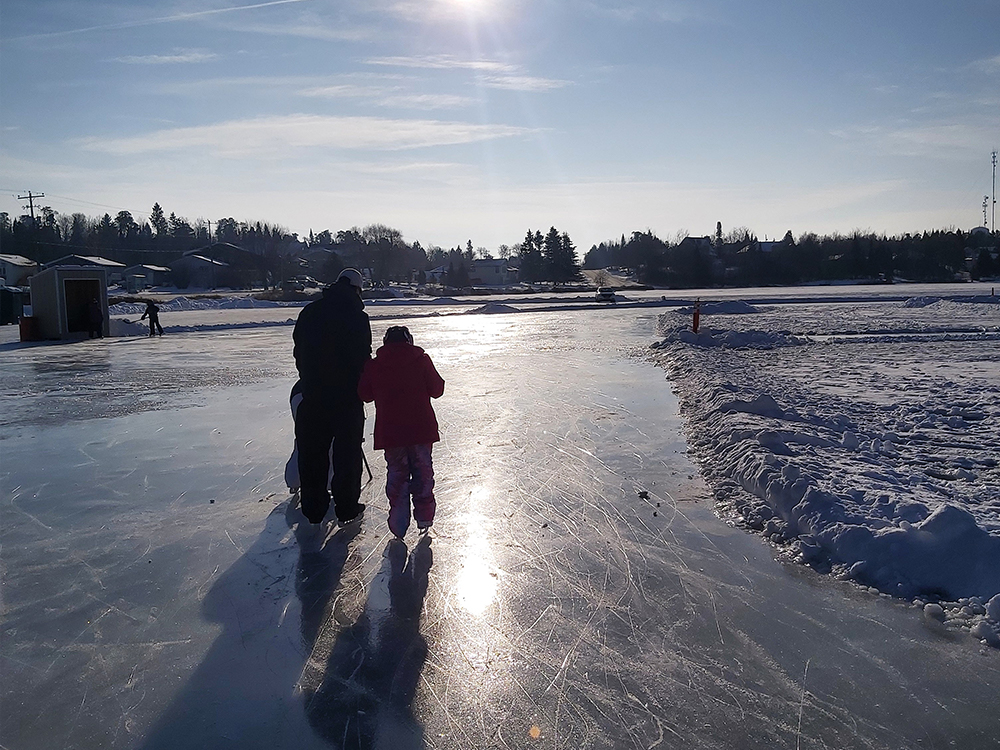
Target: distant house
column 312, row 261
column 230, row 254
column 15, row 269
column 144, row 275
column 491, row 272
column 435, row 275
column 243, row 268
column 699, row 243
column 12, row 300
column 199, row 271
column 115, row 271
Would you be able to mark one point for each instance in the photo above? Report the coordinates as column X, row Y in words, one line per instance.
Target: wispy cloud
column 494, row 74
column 926, row 140
column 258, row 83
column 523, row 83
column 160, row 19
column 181, row 56
column 426, row 101
column 671, row 11
column 988, row 65
column 273, row 136
column 342, row 91
column 306, row 27
column 933, row 139
column 387, row 96
column 444, row 62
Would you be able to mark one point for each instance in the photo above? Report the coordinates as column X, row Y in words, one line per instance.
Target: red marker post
column 697, row 316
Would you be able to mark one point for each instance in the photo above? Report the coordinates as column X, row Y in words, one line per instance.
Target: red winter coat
column 401, row 380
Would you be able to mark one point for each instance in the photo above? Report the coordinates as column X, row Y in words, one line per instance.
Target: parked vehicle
column 605, row 294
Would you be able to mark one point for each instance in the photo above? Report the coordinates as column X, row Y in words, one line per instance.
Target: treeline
column 52, row 235
column 736, row 258
column 378, row 248
column 740, row 259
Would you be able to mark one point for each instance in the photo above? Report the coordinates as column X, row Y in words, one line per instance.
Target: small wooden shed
column 61, row 297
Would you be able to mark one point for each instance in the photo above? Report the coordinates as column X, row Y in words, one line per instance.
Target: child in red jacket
column 401, row 380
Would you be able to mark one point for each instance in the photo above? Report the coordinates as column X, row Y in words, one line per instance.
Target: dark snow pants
column 318, row 424
column 409, row 473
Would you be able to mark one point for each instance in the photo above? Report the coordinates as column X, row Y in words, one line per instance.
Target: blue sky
column 477, row 119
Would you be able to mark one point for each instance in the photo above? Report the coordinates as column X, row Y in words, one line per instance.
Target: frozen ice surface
column 160, row 590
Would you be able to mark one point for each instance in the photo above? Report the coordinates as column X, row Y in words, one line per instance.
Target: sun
column 478, row 7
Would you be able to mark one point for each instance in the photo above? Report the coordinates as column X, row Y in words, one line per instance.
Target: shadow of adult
column 365, row 698
column 271, row 604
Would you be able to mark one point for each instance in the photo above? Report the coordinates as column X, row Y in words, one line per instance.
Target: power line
column 30, row 197
column 100, row 205
column 142, row 214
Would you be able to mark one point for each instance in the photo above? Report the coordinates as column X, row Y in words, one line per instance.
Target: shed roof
column 147, row 267
column 85, row 260
column 17, row 260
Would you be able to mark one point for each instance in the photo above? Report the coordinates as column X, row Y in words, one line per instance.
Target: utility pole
column 30, row 197
column 986, row 210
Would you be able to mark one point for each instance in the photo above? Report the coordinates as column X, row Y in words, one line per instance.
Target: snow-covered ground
column 860, row 437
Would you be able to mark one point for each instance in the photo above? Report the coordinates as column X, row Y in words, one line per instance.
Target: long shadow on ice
column 365, row 696
column 245, row 692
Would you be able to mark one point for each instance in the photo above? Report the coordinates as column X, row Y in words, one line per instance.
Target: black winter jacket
column 333, row 340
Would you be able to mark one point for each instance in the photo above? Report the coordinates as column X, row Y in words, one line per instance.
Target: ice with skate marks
column 478, row 578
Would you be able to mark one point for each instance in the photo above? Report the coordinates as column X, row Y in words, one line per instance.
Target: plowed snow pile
column 862, row 438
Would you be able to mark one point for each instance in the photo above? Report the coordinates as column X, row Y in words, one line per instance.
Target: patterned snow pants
column 410, row 474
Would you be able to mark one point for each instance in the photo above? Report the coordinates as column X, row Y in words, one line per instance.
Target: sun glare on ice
column 477, row 583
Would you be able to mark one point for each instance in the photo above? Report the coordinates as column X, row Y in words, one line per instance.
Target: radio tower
column 994, row 227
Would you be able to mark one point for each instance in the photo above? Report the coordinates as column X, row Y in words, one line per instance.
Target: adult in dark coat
column 153, row 312
column 95, row 319
column 333, row 341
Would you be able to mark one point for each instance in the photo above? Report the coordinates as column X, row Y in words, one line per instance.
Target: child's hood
column 399, row 350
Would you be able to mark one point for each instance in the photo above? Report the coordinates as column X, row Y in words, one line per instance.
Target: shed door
column 79, row 294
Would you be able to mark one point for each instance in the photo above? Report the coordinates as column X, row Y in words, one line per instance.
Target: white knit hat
column 353, row 276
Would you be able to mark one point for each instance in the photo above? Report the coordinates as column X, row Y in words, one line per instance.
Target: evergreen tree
column 560, row 257
column 984, row 267
column 532, row 262
column 159, row 221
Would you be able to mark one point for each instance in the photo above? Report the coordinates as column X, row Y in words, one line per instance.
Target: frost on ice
column 860, row 438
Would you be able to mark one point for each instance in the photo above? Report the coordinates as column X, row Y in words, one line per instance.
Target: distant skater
column 402, row 380
column 153, row 312
column 333, row 341
column 95, row 319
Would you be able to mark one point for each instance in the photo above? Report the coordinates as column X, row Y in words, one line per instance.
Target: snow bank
column 875, row 460
column 726, row 307
column 709, row 337
column 926, row 301
column 921, row 301
column 493, row 307
column 201, row 303
column 118, row 327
